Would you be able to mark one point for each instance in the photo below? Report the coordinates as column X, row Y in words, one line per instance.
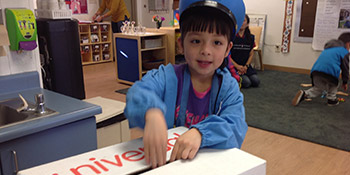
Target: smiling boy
column 201, row 95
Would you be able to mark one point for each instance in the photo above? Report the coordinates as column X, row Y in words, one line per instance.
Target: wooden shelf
column 104, row 52
column 95, row 62
column 155, row 48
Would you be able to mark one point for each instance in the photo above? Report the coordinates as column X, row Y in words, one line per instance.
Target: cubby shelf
column 95, row 43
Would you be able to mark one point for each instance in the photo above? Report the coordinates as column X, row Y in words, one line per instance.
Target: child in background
column 326, row 70
column 242, row 55
column 201, row 95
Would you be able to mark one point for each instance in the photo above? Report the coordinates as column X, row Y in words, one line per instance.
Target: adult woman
column 242, row 55
column 118, row 11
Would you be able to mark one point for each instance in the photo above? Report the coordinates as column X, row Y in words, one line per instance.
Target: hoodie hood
column 334, row 43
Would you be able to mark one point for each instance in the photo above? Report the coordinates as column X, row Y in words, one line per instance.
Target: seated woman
column 242, row 55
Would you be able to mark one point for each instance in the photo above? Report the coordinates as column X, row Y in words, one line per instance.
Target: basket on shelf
column 54, row 14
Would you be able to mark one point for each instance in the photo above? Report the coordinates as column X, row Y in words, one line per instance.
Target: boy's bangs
column 210, row 20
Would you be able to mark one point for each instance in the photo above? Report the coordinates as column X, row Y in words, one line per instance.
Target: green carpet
column 268, row 107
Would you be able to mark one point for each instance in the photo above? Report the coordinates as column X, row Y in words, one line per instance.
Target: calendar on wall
column 332, row 19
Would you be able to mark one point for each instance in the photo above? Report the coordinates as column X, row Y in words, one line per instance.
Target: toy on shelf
column 130, row 28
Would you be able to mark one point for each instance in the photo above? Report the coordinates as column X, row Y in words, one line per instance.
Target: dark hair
column 247, row 33
column 345, row 37
column 201, row 19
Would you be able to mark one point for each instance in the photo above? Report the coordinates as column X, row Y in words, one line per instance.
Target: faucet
column 40, row 104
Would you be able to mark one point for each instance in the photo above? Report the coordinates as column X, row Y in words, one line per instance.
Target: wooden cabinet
column 173, row 33
column 95, row 42
column 136, row 54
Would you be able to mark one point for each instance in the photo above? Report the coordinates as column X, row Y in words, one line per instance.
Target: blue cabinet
column 127, row 59
column 133, row 51
column 48, row 145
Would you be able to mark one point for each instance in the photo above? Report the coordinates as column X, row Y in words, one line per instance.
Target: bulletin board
column 258, row 20
column 332, row 19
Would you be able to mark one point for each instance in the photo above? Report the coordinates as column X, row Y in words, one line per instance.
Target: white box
column 151, row 43
column 54, row 14
column 128, row 158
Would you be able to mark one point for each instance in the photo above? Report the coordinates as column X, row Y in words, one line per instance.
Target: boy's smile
column 204, row 52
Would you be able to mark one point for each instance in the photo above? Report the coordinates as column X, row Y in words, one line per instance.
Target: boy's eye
column 218, row 43
column 195, row 41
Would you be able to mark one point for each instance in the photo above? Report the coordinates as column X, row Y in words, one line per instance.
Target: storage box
column 151, row 43
column 54, row 14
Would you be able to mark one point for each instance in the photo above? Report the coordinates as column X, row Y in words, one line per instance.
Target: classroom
column 101, row 87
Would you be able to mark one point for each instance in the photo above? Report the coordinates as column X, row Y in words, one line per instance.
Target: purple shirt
column 197, row 108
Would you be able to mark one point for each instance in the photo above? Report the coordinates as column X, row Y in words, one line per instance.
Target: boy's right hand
column 155, row 138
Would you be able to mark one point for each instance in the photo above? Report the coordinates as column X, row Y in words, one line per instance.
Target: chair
column 256, row 31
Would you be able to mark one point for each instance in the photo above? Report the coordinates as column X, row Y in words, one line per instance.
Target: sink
column 9, row 114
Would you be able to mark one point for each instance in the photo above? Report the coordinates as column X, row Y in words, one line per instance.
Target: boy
column 326, row 70
column 201, row 95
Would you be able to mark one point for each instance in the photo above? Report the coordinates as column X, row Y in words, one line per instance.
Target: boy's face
column 347, row 46
column 204, row 52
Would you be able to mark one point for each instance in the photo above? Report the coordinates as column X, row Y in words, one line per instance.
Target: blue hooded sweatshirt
column 333, row 59
column 225, row 126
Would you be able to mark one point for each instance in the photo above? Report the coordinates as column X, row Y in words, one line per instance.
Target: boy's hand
column 155, row 138
column 187, row 145
column 345, row 87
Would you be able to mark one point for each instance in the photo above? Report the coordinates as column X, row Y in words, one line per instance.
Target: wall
column 144, row 17
column 301, row 55
column 15, row 62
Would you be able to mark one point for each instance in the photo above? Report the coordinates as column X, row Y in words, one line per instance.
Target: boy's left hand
column 187, row 145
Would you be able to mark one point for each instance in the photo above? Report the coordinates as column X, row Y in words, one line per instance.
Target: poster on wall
column 78, row 6
column 332, row 19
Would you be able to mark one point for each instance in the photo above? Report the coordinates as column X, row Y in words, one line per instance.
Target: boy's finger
column 185, row 153
column 146, row 150
column 153, row 157
column 160, row 156
column 174, row 152
column 179, row 152
column 193, row 153
column 165, row 148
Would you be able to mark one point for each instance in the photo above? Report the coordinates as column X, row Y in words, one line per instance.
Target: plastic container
column 54, row 14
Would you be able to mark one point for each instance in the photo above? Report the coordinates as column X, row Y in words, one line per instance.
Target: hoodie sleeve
column 143, row 95
column 345, row 68
column 228, row 128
